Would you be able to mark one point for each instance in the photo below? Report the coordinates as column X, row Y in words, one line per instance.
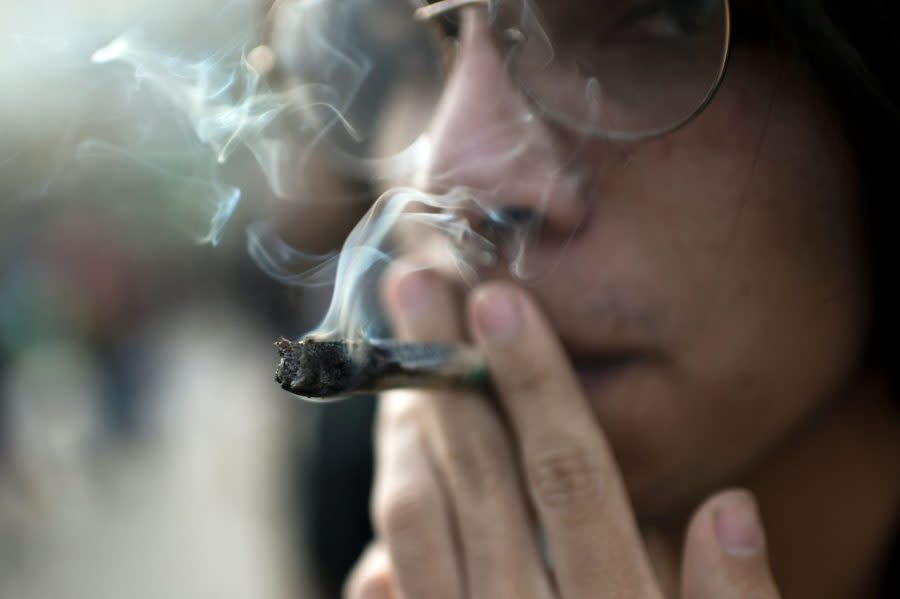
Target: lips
column 601, row 369
column 594, row 380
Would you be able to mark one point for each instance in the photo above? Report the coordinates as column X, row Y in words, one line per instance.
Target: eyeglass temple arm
column 436, row 9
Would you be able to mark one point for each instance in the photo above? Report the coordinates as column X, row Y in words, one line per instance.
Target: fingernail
column 415, row 292
column 497, row 314
column 738, row 527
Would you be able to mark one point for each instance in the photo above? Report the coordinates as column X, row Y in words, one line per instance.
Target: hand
column 465, row 484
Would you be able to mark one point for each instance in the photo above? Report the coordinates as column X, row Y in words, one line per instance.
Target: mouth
column 599, row 371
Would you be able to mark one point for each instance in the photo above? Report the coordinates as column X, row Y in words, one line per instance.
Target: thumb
column 725, row 551
column 372, row 577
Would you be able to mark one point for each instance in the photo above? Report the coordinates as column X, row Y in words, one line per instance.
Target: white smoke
column 172, row 91
column 63, row 116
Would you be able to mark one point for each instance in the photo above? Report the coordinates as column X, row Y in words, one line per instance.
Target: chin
column 667, row 473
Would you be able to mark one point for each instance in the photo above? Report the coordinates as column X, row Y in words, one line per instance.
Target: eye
column 667, row 18
column 691, row 15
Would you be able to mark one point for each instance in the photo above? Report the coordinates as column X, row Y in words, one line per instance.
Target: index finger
column 572, row 476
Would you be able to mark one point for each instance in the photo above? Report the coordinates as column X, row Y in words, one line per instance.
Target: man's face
column 709, row 284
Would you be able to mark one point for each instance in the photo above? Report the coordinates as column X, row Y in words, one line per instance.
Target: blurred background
column 144, row 449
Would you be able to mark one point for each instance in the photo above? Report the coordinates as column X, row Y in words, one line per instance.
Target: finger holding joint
column 571, row 472
column 404, row 513
column 399, row 410
column 483, row 470
column 567, row 481
column 421, row 305
column 409, row 508
column 412, row 522
column 530, row 370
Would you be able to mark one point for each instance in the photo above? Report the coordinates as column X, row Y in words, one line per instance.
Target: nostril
column 519, row 214
column 508, row 223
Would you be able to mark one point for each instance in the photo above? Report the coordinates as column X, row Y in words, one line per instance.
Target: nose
column 485, row 138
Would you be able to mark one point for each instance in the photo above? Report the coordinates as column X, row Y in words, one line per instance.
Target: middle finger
column 470, row 445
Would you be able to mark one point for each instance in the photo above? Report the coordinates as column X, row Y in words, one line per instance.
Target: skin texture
column 724, row 265
column 731, row 260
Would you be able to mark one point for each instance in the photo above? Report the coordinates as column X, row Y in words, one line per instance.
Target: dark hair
column 852, row 48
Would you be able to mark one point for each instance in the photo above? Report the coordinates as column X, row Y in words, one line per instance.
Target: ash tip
column 287, row 363
column 283, row 345
column 312, row 368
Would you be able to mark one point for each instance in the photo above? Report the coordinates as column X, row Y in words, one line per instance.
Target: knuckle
column 403, row 512
column 399, row 409
column 568, row 479
column 477, row 468
column 530, row 380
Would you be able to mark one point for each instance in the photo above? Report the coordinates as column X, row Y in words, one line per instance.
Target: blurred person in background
column 700, row 398
column 122, row 470
column 134, row 458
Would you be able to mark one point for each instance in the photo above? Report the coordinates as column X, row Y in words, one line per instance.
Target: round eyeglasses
column 618, row 69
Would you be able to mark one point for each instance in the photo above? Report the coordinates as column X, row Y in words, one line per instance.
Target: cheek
column 790, row 268
column 751, row 214
column 749, row 221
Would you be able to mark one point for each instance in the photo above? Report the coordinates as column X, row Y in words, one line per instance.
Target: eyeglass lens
column 617, row 68
column 623, row 69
